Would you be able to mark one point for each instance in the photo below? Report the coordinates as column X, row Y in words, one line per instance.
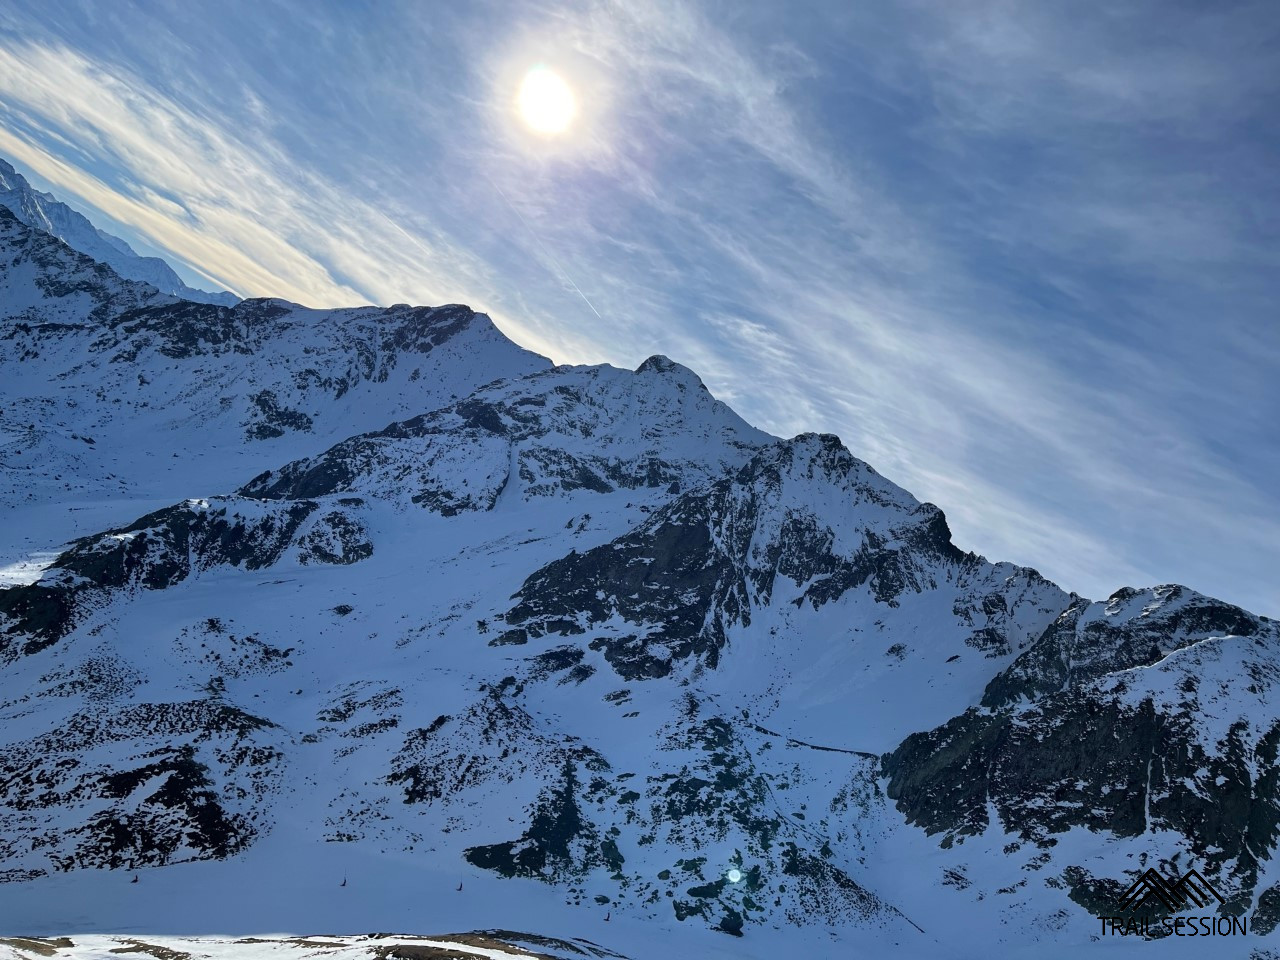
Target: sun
column 545, row 102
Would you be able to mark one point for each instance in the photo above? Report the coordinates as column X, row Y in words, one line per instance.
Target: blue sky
column 1021, row 257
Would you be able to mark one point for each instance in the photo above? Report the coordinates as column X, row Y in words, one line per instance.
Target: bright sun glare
column 547, row 105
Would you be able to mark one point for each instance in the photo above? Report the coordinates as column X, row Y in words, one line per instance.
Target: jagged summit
column 826, row 452
column 43, row 212
column 1130, row 629
column 676, row 372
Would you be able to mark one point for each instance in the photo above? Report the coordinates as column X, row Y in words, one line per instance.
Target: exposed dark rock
column 156, row 551
column 697, row 566
column 1091, row 752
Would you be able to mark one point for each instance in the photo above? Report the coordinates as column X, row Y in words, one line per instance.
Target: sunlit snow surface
column 27, row 570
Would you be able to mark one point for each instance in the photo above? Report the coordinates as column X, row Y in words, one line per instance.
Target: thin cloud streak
column 245, row 217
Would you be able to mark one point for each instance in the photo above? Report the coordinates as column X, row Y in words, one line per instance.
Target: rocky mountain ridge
column 41, row 211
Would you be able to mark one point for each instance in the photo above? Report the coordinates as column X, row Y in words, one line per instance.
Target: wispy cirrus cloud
column 1013, row 256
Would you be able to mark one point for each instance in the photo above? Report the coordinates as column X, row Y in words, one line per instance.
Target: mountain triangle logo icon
column 1151, row 889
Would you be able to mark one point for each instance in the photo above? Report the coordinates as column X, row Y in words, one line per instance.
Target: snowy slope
column 420, row 633
column 42, row 212
column 118, row 399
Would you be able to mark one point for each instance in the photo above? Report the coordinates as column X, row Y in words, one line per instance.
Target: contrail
column 545, row 252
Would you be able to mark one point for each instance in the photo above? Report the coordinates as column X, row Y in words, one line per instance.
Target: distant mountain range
column 42, row 212
column 369, row 617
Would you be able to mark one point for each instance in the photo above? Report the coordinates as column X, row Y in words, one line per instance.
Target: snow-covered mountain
column 440, row 636
column 43, row 212
column 118, row 399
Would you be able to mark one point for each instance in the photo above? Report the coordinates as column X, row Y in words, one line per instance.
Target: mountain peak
column 816, row 443
column 666, row 366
